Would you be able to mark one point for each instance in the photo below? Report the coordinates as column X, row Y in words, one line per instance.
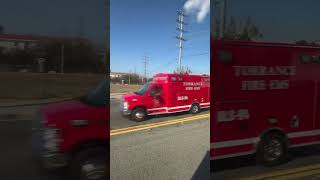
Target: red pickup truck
column 75, row 134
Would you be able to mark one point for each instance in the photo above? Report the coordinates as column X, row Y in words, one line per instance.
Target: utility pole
column 129, row 77
column 62, row 59
column 180, row 29
column 145, row 63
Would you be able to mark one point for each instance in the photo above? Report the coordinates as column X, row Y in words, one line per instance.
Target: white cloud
column 201, row 7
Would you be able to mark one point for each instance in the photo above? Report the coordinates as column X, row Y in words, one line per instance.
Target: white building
column 12, row 41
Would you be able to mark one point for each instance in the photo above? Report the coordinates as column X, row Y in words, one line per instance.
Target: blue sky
column 56, row 18
column 140, row 27
column 280, row 21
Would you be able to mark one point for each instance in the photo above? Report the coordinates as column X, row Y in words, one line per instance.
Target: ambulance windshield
column 143, row 90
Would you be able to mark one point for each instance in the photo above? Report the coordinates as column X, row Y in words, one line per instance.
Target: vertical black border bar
column 107, row 70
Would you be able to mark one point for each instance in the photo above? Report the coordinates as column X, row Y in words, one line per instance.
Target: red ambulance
column 74, row 134
column 265, row 99
column 168, row 93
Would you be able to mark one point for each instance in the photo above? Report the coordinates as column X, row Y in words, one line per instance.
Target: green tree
column 306, row 43
column 250, row 31
column 232, row 26
column 237, row 31
column 133, row 78
column 79, row 56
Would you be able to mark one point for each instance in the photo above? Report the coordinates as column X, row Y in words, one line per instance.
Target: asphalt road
column 16, row 155
column 178, row 151
column 303, row 164
column 117, row 121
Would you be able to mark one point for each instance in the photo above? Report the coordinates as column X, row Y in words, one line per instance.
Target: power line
column 198, row 54
column 197, row 33
column 163, row 65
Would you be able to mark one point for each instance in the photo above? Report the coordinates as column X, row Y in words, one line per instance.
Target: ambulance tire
column 195, row 108
column 272, row 150
column 139, row 114
column 89, row 164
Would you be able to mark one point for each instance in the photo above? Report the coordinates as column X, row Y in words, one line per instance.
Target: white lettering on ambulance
column 264, row 71
column 278, row 84
column 192, row 86
column 182, row 98
column 263, row 85
column 253, row 85
column 191, row 83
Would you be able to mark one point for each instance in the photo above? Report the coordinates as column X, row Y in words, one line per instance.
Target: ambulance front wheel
column 139, row 114
column 195, row 109
column 272, row 150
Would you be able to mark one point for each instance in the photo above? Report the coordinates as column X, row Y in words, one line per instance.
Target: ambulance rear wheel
column 272, row 150
column 139, row 114
column 195, row 109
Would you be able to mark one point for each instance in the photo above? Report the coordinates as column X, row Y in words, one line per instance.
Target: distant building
column 12, row 41
column 117, row 74
column 22, row 42
column 9, row 42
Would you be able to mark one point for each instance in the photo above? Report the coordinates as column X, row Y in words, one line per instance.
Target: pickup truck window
column 143, row 90
column 99, row 96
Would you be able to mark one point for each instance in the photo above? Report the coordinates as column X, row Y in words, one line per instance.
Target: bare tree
column 184, row 70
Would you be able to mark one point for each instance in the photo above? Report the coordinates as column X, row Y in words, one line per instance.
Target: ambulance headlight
column 51, row 139
column 125, row 105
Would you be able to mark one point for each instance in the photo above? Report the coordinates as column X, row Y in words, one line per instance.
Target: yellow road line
column 283, row 173
column 154, row 125
column 298, row 175
column 158, row 123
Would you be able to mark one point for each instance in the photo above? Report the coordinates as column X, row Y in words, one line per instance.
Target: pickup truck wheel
column 195, row 109
column 139, row 114
column 89, row 165
column 272, row 150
